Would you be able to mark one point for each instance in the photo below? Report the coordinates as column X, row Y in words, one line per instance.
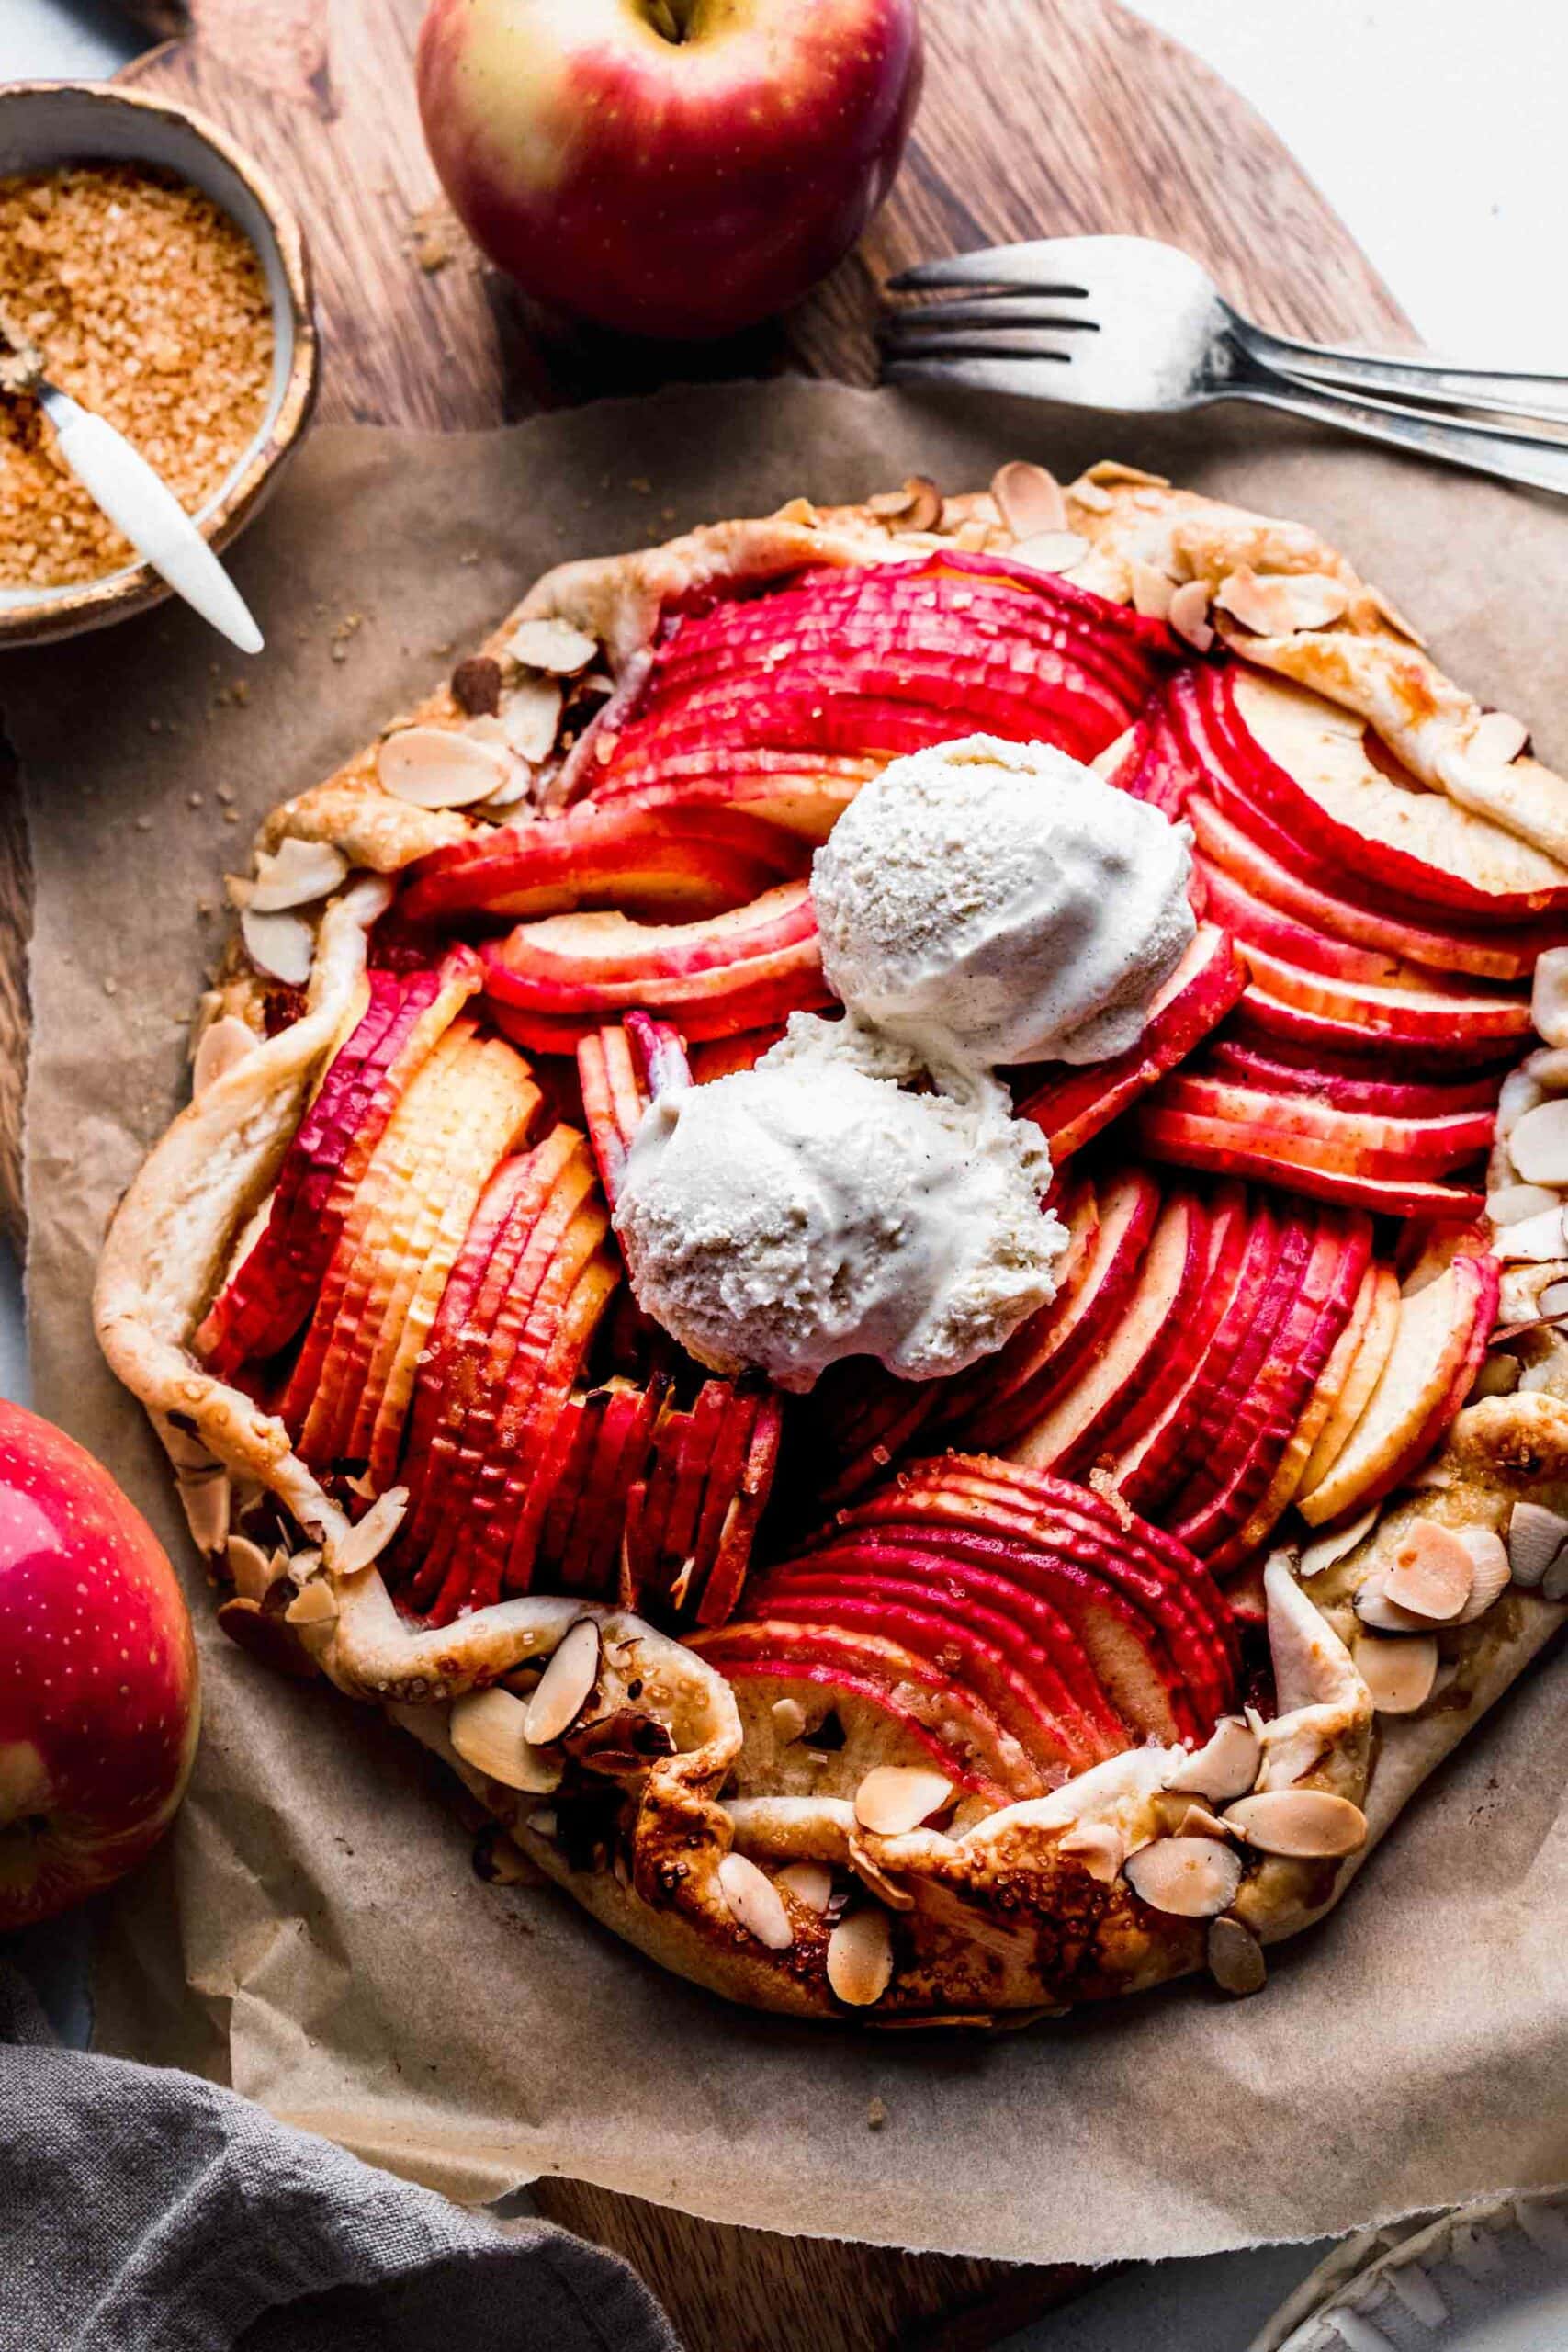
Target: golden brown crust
column 1001, row 1920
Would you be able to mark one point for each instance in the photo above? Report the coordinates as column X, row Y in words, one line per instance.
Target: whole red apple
column 97, row 1676
column 669, row 168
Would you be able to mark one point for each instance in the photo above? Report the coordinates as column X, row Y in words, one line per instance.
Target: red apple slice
column 1314, row 1169
column 1290, row 1468
column 1436, row 1020
column 722, row 1588
column 1074, row 1106
column 1360, row 1142
column 693, row 862
column 1185, row 1344
column 1440, row 1336
column 1345, row 1089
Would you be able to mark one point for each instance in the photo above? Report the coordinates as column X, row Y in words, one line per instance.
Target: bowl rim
column 89, row 604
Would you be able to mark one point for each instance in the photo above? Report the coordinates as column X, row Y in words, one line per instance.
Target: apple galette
column 876, row 1223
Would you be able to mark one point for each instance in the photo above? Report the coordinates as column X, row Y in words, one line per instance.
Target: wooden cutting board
column 1041, row 117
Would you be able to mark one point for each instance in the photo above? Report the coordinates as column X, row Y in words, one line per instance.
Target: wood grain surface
column 1040, row 118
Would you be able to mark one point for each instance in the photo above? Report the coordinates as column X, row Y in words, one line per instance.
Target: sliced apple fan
column 918, row 1700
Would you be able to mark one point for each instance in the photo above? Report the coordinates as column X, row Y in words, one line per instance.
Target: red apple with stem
column 668, row 167
column 98, row 1708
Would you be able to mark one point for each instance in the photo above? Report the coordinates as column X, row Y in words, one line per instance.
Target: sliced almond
column 369, row 1537
column 1490, row 1555
column 1522, row 1290
column 553, row 645
column 1548, row 1066
column 1374, row 1608
column 1337, row 1542
column 314, row 1604
column 282, row 946
column 1549, row 996
column 1152, row 589
column 1398, row 1672
column 295, row 874
column 1311, row 1824
column 1235, row 1957
column 567, row 1683
column 489, row 1730
column 1497, row 740
column 1520, row 1092
column 859, row 1957
column 809, row 1883
column 1289, row 1755
column 1192, row 1878
column 890, row 1892
column 1188, row 616
column 252, row 1571
column 1516, row 1202
column 531, row 716
column 1536, row 1538
column 924, row 509
column 890, row 503
column 789, row 1718
column 755, row 1902
column 518, row 786
column 224, row 1045
column 1536, row 1240
column 1539, row 1143
column 1259, row 605
column 1498, row 1376
column 208, row 1498
column 1030, row 499
column 440, row 767
column 893, row 1798
column 1052, row 550
column 1101, row 1848
column 1314, row 599
column 1555, row 1298
column 1225, row 1767
column 1431, row 1572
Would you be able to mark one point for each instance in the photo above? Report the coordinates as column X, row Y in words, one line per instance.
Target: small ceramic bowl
column 43, row 124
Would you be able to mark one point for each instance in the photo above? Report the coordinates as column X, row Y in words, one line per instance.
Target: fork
column 1130, row 325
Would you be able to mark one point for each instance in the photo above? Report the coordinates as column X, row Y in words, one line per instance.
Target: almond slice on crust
column 1030, row 500
column 489, row 1730
column 1312, row 1824
column 755, row 1902
column 440, row 767
column 859, row 1957
column 567, row 1683
column 1194, row 1878
column 893, row 1798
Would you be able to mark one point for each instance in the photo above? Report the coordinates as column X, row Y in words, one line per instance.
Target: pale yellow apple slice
column 1366, row 1371
column 1429, row 1348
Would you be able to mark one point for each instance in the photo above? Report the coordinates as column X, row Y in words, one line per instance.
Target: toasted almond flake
column 891, row 1891
column 531, row 715
column 1549, row 1068
column 1315, row 599
column 369, row 1537
column 281, row 944
column 789, row 1718
column 755, row 1902
column 518, row 786
column 1498, row 1376
column 809, row 1883
column 314, row 1604
column 224, row 1045
column 1188, row 616
column 567, row 1684
column 1398, row 1670
column 1497, row 740
column 1535, row 1540
column 1099, row 1847
column 1311, row 1824
column 1290, row 1753
column 859, row 1957
column 924, row 511
column 893, row 1798
column 1431, row 1572
column 208, row 1498
column 1374, row 1608
column 1490, row 1555
column 1534, row 1240
column 1555, row 1298
column 488, row 1729
column 890, row 503
column 1089, row 494
column 1337, row 1542
column 1259, row 605
column 1152, row 591
column 1052, row 550
column 295, row 874
column 440, row 767
column 1225, row 1767
column 252, row 1571
column 1192, row 1878
column 1539, row 1143
column 1197, row 1821
column 1521, row 1292
column 1520, row 1092
column 1030, row 499
column 1235, row 1957
column 552, row 645
column 1515, row 1202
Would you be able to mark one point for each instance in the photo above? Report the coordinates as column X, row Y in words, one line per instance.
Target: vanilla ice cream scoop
column 813, row 1208
column 997, row 902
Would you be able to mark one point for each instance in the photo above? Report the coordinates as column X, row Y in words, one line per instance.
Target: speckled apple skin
column 98, row 1701
column 681, row 189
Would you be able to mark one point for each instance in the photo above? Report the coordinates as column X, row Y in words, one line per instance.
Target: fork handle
column 1536, row 464
column 1506, row 391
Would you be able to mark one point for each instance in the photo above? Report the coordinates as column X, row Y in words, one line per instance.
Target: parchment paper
column 313, row 1931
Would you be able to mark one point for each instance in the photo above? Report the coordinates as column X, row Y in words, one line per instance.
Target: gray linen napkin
column 142, row 2209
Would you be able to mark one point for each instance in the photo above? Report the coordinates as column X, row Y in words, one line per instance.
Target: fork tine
column 1033, row 378
column 1038, row 267
column 1004, row 310
column 901, row 342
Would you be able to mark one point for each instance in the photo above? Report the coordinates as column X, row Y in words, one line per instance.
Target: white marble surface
column 1434, row 127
